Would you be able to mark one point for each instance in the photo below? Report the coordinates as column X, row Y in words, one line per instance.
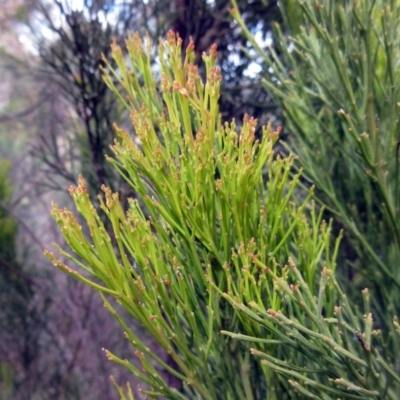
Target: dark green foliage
column 337, row 80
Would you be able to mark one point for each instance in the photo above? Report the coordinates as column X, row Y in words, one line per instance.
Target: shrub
column 222, row 257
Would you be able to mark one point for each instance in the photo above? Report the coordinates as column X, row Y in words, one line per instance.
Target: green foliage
column 9, row 266
column 7, row 257
column 337, row 82
column 218, row 258
column 6, row 381
column 9, row 283
column 8, row 225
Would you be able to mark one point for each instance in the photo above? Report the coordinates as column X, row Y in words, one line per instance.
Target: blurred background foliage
column 55, row 123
